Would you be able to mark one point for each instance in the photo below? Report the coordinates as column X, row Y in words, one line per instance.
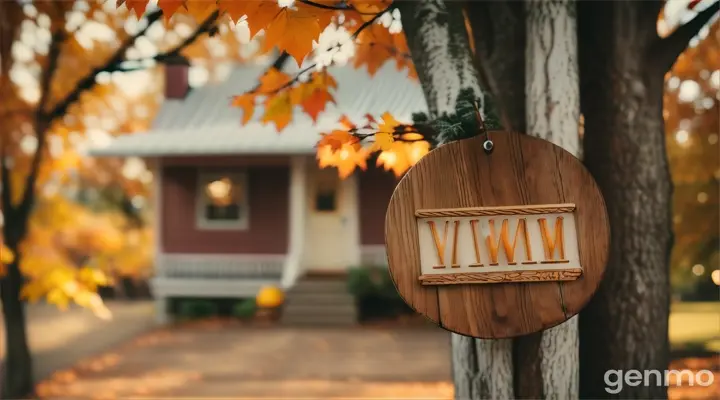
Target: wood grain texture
column 521, row 171
column 486, row 211
column 497, row 277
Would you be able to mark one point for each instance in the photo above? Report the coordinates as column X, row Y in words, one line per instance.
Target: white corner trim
column 203, row 178
column 296, row 225
column 157, row 169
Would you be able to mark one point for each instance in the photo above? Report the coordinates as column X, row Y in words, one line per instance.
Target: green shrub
column 371, row 281
column 244, row 309
column 196, row 308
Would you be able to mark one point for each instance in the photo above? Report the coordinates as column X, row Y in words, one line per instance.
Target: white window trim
column 205, row 177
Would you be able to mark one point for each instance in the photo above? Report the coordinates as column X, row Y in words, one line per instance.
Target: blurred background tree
column 692, row 121
column 74, row 73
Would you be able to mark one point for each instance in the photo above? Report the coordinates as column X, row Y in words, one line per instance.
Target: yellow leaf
column 59, row 298
column 32, row 291
column 350, row 157
column 388, row 123
column 6, row 255
column 278, row 109
column 383, row 140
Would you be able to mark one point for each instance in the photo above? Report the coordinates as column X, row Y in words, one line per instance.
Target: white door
column 332, row 228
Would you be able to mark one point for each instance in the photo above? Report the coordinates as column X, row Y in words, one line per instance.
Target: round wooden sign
column 497, row 245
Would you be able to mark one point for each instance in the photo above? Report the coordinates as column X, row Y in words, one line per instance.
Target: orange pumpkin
column 269, row 297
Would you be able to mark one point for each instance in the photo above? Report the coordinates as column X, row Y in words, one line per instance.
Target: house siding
column 376, row 188
column 268, row 192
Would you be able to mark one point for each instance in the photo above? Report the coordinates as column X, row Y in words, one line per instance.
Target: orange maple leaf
column 246, row 102
column 293, row 31
column 137, row 6
column 273, row 81
column 169, row 7
column 236, row 10
column 346, row 159
column 336, row 139
column 316, row 102
column 345, row 121
column 199, row 9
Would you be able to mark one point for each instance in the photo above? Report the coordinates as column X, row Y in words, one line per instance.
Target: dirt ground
column 221, row 359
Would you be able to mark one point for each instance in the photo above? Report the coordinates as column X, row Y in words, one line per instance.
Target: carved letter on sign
column 498, row 244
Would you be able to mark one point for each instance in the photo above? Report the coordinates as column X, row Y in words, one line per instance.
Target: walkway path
column 59, row 339
column 218, row 359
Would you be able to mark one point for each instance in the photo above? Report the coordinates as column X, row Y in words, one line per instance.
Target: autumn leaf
column 293, row 31
column 246, row 102
column 383, row 140
column 346, row 159
column 345, row 121
column 388, row 123
column 6, row 255
column 136, row 6
column 273, row 80
column 315, row 104
column 199, row 9
column 169, row 7
column 278, row 110
column 336, row 139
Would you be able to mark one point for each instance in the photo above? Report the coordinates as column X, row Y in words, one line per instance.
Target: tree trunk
column 440, row 47
column 17, row 379
column 498, row 31
column 625, row 325
column 546, row 363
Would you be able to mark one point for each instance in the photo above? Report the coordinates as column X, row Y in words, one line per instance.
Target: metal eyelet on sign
column 488, row 146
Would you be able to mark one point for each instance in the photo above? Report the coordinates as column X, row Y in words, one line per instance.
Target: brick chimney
column 176, row 78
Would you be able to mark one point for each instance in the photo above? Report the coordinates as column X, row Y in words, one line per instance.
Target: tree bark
column 17, row 376
column 440, row 48
column 546, row 363
column 498, row 31
column 625, row 326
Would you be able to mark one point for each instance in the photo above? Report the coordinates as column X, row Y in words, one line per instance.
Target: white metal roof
column 204, row 123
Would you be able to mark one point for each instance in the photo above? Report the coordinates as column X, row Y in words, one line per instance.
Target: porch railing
column 220, row 266
column 374, row 255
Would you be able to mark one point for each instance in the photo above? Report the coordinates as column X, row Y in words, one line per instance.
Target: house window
column 326, row 191
column 325, row 201
column 222, row 201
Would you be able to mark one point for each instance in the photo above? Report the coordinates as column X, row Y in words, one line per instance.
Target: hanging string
column 488, row 145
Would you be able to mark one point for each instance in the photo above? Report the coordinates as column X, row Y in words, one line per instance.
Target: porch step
column 319, row 302
column 320, row 287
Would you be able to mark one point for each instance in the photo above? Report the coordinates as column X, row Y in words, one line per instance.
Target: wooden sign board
column 497, row 245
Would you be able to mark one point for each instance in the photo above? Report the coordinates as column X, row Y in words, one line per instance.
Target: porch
column 298, row 216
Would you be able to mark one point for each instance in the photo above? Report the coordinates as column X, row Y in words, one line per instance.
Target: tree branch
column 666, row 50
column 41, row 124
column 88, row 82
column 6, row 200
column 207, row 25
column 49, row 72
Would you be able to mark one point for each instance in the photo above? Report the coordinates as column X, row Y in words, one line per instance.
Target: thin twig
column 306, row 69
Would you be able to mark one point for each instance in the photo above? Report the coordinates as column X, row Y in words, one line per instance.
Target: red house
column 240, row 207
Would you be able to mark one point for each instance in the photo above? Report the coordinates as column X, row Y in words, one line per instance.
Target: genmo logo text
column 616, row 379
